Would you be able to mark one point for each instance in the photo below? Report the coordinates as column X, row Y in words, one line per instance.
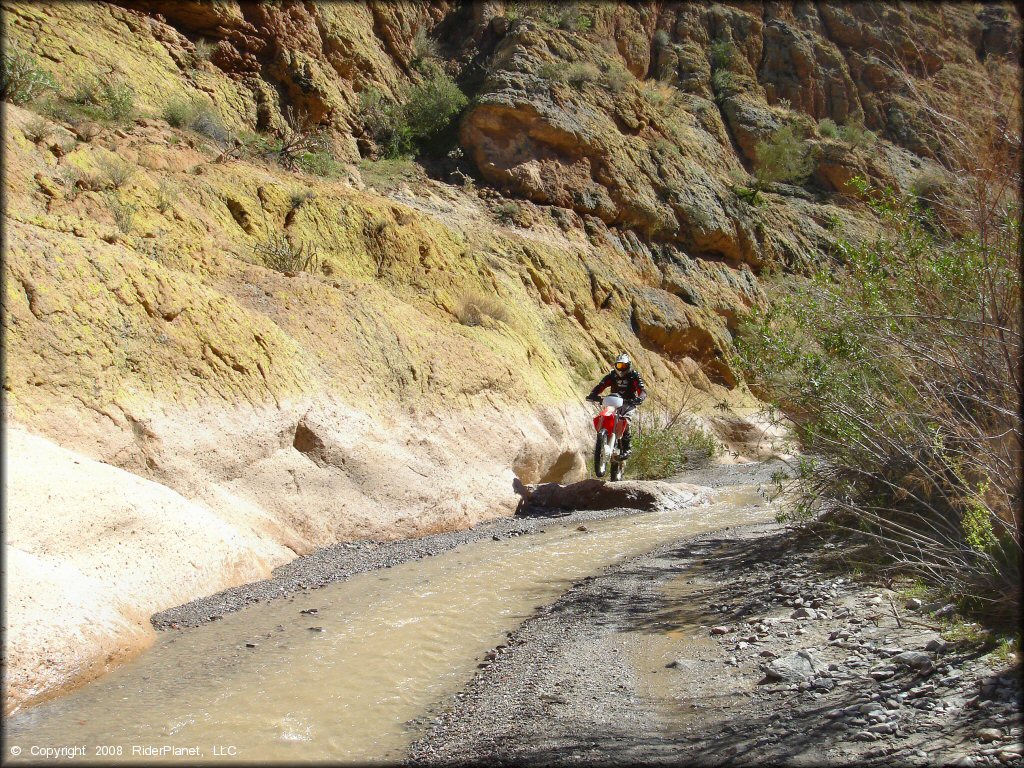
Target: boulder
column 796, row 667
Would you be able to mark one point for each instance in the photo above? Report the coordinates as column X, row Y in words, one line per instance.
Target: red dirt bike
column 610, row 424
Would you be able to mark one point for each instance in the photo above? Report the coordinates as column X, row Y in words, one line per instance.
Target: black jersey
column 629, row 387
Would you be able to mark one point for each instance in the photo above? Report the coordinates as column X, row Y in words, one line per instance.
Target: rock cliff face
column 434, row 353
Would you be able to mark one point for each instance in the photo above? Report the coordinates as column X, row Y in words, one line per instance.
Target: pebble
column 989, row 734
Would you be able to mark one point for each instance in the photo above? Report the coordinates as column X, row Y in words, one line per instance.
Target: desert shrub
column 22, row 80
column 723, row 83
column 103, row 98
column 166, row 195
column 660, row 39
column 114, row 170
column 855, row 134
column 784, row 156
column 928, row 184
column 300, row 138
column 424, row 49
column 552, row 71
column 745, row 187
column 279, row 253
column 195, row 115
column 77, row 180
column 203, row 50
column 317, row 163
column 570, row 18
column 667, row 442
column 617, row 77
column 509, row 212
column 123, row 212
column 827, row 127
column 383, row 120
column 658, row 94
column 37, row 129
column 179, row 112
column 210, row 124
column 475, row 307
column 299, row 198
column 900, row 373
column 578, row 73
column 722, row 54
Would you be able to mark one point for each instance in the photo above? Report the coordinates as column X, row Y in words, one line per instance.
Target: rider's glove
column 593, row 398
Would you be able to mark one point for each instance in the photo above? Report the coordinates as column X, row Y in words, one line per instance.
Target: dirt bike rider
column 627, row 384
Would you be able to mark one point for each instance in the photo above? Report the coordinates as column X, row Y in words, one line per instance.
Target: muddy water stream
column 270, row 683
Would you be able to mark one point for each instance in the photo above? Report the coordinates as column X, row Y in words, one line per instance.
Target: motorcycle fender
column 609, row 423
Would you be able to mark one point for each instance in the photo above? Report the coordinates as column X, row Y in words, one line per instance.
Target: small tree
column 783, row 157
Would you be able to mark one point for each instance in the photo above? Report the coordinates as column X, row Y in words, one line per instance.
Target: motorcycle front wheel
column 601, row 452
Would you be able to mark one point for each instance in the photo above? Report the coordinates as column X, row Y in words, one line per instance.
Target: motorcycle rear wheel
column 618, row 468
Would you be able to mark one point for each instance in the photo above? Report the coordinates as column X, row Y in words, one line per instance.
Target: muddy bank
column 730, row 647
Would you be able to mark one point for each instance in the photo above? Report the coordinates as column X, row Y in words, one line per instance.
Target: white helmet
column 622, row 365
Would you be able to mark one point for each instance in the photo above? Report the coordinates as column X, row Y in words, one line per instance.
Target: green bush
column 666, row 443
column 722, row 54
column 318, row 163
column 571, row 19
column 552, row 71
column 509, row 212
column 179, row 113
column 383, row 120
column 723, row 83
column 104, row 99
column 420, row 116
column 855, row 134
column 617, row 77
column 424, row 49
column 21, row 78
column 783, row 157
column 899, row 371
column 827, row 127
column 431, row 106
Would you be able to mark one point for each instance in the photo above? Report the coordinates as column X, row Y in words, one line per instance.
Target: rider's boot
column 624, row 446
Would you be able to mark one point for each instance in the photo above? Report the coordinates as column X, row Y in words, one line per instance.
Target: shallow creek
column 271, row 683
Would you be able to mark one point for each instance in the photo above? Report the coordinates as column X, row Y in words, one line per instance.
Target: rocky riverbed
column 741, row 647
